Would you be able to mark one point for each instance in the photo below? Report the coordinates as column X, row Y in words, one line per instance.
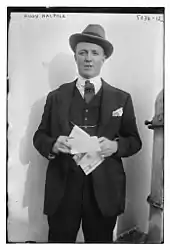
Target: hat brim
column 105, row 44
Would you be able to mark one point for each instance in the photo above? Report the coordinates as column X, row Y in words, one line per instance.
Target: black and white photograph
column 85, row 134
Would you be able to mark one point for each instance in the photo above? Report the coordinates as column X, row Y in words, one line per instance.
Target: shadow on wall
column 34, row 186
column 61, row 69
column 127, row 220
column 136, row 206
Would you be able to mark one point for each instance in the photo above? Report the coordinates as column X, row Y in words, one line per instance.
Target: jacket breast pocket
column 116, row 120
column 112, row 128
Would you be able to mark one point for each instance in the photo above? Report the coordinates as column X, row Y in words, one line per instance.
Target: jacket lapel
column 109, row 103
column 66, row 95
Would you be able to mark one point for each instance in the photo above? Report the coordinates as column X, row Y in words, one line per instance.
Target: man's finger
column 105, row 151
column 64, row 150
column 64, row 147
column 101, row 139
column 65, row 144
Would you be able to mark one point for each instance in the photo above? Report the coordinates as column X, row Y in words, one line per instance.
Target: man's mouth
column 88, row 66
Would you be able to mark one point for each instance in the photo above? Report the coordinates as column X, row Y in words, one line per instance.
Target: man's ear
column 75, row 57
column 104, row 58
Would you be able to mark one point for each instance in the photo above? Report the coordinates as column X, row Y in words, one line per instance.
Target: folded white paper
column 86, row 150
column 81, row 142
column 83, row 145
column 77, row 132
column 90, row 161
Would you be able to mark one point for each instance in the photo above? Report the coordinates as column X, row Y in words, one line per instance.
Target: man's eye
column 95, row 53
column 81, row 53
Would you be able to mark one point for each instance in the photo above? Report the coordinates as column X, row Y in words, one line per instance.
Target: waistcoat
column 85, row 115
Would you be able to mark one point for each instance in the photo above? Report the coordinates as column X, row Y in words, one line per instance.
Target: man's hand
column 107, row 146
column 62, row 145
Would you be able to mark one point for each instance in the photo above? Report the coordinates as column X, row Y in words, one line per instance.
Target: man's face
column 89, row 58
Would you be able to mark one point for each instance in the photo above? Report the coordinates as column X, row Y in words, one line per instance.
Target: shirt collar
column 95, row 80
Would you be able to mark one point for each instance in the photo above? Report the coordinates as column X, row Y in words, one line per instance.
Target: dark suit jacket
column 108, row 177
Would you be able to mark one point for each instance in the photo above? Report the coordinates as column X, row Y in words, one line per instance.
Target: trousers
column 79, row 206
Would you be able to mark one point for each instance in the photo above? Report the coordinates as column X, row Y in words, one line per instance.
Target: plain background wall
column 40, row 60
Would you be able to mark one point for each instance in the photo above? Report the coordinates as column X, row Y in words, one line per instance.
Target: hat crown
column 93, row 33
column 95, row 30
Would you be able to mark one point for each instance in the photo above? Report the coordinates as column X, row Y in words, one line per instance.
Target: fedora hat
column 93, row 33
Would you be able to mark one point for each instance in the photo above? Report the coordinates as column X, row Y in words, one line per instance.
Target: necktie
column 88, row 91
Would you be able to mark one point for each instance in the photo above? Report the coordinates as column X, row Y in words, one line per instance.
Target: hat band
column 92, row 33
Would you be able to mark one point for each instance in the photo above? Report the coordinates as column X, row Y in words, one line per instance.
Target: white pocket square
column 118, row 112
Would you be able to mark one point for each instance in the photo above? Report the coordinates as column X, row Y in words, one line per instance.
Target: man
column 100, row 110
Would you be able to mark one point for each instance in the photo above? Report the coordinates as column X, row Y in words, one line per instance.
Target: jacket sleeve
column 42, row 140
column 129, row 141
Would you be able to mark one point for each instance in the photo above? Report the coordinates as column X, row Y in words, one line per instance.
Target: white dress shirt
column 81, row 83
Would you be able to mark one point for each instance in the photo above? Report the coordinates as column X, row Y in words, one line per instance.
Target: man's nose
column 88, row 57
